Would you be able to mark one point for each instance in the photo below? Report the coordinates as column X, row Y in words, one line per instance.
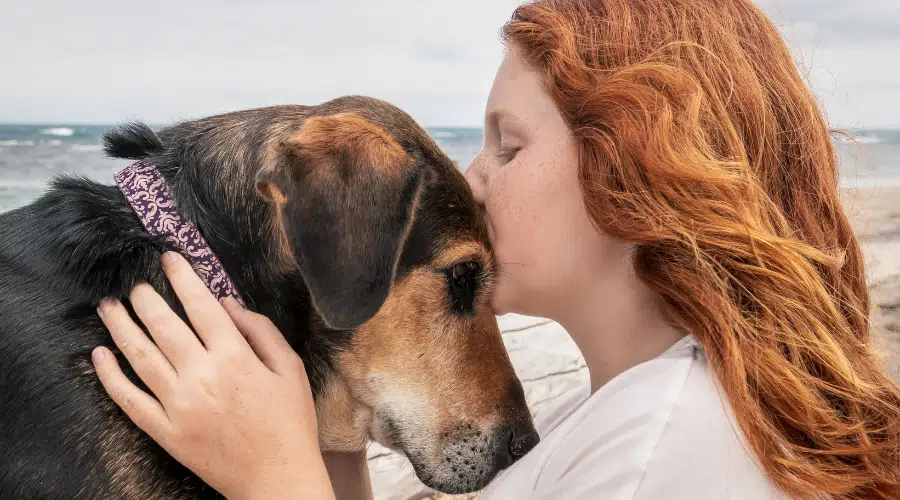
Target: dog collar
column 147, row 192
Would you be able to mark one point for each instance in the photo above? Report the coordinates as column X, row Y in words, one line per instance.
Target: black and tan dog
column 366, row 249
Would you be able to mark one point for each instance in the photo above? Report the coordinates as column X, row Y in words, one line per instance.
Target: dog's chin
column 455, row 464
column 455, row 475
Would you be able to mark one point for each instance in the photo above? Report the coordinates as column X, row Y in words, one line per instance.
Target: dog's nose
column 516, row 441
column 523, row 439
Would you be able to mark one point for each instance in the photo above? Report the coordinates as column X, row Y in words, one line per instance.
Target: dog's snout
column 472, row 455
column 523, row 438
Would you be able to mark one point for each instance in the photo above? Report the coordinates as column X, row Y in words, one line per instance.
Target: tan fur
column 343, row 423
column 285, row 254
column 271, row 192
column 462, row 251
column 448, row 369
column 321, row 136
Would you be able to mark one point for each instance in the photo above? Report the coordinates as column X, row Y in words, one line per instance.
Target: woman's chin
column 498, row 311
column 507, row 302
column 498, row 304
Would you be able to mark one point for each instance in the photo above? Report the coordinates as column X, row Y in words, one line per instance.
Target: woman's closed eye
column 507, row 153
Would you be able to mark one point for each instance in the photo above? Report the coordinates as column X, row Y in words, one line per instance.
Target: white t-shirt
column 660, row 430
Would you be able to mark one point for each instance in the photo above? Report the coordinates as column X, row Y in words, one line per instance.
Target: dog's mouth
column 461, row 460
column 466, row 463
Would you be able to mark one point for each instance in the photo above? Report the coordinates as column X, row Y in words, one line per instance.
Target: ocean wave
column 868, row 139
column 886, row 181
column 58, row 131
column 30, row 142
column 441, row 134
column 85, row 148
column 853, row 139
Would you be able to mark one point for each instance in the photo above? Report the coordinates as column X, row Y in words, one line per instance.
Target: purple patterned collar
column 149, row 195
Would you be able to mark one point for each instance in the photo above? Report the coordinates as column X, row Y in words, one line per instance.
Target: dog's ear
column 346, row 193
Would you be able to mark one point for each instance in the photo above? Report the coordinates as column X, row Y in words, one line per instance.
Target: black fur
column 81, row 242
column 133, row 140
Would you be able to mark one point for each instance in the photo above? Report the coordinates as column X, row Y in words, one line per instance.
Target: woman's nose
column 475, row 178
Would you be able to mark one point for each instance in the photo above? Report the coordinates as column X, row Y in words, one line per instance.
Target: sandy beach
column 549, row 364
column 876, row 220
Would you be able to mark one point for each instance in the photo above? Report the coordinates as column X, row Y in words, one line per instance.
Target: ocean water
column 32, row 155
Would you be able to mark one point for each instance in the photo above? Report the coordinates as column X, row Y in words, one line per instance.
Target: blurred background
column 70, row 70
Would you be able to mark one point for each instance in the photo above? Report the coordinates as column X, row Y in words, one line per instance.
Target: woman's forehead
column 517, row 93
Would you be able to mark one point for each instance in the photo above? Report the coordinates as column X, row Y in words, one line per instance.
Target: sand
column 549, row 364
column 876, row 221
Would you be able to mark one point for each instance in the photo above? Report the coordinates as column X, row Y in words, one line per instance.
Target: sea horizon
column 32, row 154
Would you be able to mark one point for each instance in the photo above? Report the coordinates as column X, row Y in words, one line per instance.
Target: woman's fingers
column 146, row 412
column 207, row 316
column 174, row 338
column 143, row 355
column 264, row 338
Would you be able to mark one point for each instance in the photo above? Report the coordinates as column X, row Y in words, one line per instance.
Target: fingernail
column 98, row 355
column 105, row 306
column 169, row 257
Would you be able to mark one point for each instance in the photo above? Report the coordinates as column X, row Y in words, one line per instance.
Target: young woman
column 659, row 180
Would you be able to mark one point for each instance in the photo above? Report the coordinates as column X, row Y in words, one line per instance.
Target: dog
column 343, row 222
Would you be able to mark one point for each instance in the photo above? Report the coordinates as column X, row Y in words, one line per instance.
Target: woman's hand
column 236, row 411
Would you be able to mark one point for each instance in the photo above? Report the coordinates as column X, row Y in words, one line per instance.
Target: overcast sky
column 104, row 61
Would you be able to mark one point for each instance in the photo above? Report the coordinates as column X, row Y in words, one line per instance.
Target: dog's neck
column 149, row 195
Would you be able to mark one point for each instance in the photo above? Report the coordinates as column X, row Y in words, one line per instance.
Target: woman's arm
column 349, row 474
column 232, row 403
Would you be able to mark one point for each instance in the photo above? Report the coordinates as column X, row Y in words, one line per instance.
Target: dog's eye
column 463, row 285
column 459, row 271
column 462, row 273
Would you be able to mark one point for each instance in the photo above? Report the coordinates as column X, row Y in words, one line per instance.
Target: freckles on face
column 519, row 194
column 519, row 178
column 526, row 179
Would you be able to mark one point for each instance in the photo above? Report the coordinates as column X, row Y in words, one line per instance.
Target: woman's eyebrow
column 510, row 119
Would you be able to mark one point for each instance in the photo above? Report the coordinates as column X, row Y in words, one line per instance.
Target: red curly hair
column 700, row 143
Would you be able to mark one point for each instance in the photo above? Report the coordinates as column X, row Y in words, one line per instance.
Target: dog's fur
column 343, row 223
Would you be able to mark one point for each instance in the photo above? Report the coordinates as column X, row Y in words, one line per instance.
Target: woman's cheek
column 512, row 273
column 508, row 238
column 500, row 288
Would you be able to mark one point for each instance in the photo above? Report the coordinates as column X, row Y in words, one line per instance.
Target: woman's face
column 526, row 176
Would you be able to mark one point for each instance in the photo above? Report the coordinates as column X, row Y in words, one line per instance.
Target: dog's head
column 392, row 247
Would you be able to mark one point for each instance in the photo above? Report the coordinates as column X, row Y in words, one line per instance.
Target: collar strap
column 147, row 192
